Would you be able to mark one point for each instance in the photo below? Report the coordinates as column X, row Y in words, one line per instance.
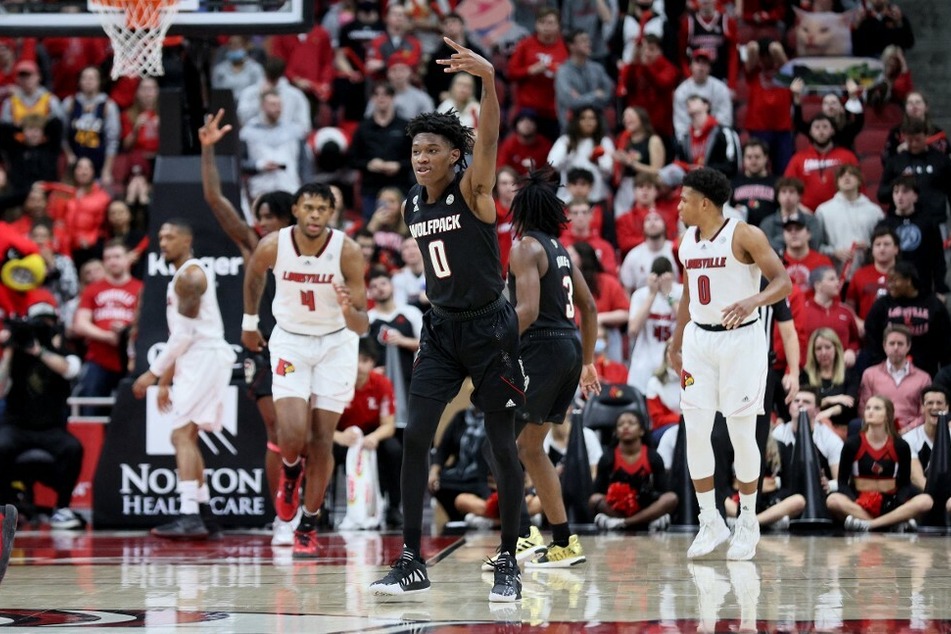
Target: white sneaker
column 479, row 523
column 857, row 525
column 283, row 533
column 745, row 538
column 660, row 524
column 608, row 523
column 66, row 519
column 713, row 532
column 782, row 524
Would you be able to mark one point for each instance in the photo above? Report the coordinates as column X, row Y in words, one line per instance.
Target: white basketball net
column 136, row 29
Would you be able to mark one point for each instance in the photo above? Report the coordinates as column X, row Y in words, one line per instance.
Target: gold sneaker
column 524, row 549
column 560, row 556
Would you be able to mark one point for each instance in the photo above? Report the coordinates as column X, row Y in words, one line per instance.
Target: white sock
column 188, row 494
column 204, row 494
column 748, row 503
column 291, row 464
column 707, row 500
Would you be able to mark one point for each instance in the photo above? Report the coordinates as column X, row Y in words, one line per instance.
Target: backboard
column 42, row 18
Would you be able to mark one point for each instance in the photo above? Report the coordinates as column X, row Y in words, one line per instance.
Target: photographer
column 37, row 371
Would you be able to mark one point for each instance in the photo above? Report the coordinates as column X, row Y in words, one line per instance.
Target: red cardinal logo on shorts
column 284, row 367
column 686, row 379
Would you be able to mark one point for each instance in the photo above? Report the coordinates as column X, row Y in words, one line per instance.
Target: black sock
column 424, row 414
column 293, row 471
column 500, row 433
column 560, row 533
column 308, row 521
column 524, row 521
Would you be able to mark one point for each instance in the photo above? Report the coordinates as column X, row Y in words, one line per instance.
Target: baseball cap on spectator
column 41, row 309
column 526, row 113
column 703, row 53
column 671, row 175
column 26, row 67
column 401, row 57
column 794, row 220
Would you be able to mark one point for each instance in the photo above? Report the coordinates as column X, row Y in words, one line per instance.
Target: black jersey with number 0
column 460, row 252
column 556, row 307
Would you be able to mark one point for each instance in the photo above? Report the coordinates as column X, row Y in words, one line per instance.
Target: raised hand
column 212, row 131
column 464, row 60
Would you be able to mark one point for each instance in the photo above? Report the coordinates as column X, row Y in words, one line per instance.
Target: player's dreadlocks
column 448, row 126
column 536, row 206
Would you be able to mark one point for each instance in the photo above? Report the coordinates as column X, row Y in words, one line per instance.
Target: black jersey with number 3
column 556, row 290
column 460, row 252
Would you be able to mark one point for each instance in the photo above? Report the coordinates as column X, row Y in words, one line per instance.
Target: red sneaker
column 288, row 496
column 8, row 528
column 305, row 545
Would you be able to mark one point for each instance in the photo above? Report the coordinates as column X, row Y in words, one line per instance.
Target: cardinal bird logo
column 284, row 367
column 686, row 379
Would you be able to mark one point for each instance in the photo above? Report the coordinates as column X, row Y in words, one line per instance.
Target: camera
column 25, row 333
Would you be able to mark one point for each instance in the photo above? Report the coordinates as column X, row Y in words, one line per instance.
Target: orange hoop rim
column 139, row 14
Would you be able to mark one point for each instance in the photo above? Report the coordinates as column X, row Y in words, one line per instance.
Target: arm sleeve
column 182, row 334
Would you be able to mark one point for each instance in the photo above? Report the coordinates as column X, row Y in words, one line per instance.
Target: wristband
column 833, row 486
column 250, row 322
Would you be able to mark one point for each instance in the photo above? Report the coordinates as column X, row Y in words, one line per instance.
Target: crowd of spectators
column 622, row 101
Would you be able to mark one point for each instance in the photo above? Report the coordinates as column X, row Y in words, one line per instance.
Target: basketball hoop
column 136, row 29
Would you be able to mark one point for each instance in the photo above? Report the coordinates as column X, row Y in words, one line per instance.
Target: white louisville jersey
column 209, row 329
column 717, row 279
column 305, row 302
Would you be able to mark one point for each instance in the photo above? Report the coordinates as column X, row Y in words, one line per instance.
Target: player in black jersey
column 471, row 329
column 546, row 288
column 273, row 213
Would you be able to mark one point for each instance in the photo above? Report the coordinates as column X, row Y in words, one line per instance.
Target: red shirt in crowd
column 309, row 58
column 817, row 172
column 519, row 156
column 838, row 317
column 370, row 402
column 109, row 304
column 770, row 106
column 630, row 227
column 799, row 270
column 867, row 285
column 536, row 91
column 651, row 86
column 602, row 248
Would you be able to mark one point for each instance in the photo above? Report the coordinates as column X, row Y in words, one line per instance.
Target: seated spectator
column 107, row 311
column 775, row 504
column 524, row 149
column 631, row 489
column 824, row 309
column 435, row 79
column 870, row 282
column 707, row 142
column 372, row 412
column 836, row 386
column 700, row 83
column 815, row 165
column 40, row 370
column 896, row 81
column 140, row 131
column 609, row 371
column 462, row 100
column 388, row 227
column 119, row 227
column 29, row 97
column 31, row 151
column 408, row 100
column 875, row 489
column 639, row 151
column 880, row 24
column 237, row 70
column 848, row 219
column 653, row 318
column 798, row 258
column 920, row 439
column 612, row 301
column 630, row 227
column 61, row 279
column 409, row 283
column 768, row 113
column 556, row 446
column 89, row 273
column 918, row 309
column 663, row 399
column 459, row 464
column 919, row 236
column 578, row 185
column 82, row 209
column 273, row 148
column 581, row 83
column 827, row 442
column 916, row 107
column 754, row 187
column 294, row 105
column 847, row 119
column 396, row 39
column 91, row 127
column 579, row 230
column 930, row 167
column 649, row 79
column 896, row 378
column 788, row 199
column 638, row 262
column 309, row 60
column 585, row 145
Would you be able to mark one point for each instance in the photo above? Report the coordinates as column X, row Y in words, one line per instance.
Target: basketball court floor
column 631, row 583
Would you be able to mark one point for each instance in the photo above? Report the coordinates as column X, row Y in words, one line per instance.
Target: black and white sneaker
column 508, row 580
column 407, row 576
